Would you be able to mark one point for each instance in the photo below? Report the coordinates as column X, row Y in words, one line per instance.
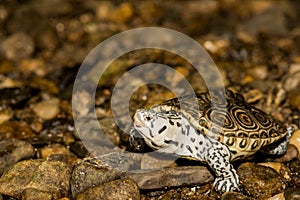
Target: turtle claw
column 226, row 184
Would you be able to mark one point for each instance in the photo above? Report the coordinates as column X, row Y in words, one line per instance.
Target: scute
column 229, row 119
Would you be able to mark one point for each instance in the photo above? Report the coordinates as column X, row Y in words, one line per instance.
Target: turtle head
column 159, row 129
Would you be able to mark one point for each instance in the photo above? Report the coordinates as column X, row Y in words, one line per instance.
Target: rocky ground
column 255, row 45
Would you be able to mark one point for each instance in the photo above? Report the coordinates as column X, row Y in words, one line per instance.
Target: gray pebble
column 17, row 47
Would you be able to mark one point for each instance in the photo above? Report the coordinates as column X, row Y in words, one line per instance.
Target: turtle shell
column 228, row 118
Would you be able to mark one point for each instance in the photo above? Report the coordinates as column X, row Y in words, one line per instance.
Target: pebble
column 12, row 151
column 122, row 14
column 280, row 168
column 5, row 114
column 47, row 109
column 294, row 167
column 54, row 150
column 89, row 173
column 16, row 130
column 16, row 97
column 235, row 196
column 118, row 189
column 295, row 140
column 279, row 196
column 292, row 82
column 17, row 47
column 171, row 177
column 292, row 194
column 51, row 177
column 260, row 181
column 44, row 85
column 33, row 66
column 34, row 194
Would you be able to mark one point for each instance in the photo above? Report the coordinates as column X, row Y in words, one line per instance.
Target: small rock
column 5, row 114
column 292, row 194
column 118, row 189
column 279, row 196
column 90, row 173
column 48, row 176
column 295, row 140
column 292, row 82
column 294, row 167
column 260, row 181
column 170, row 177
column 16, row 97
column 34, row 194
column 12, row 151
column 47, row 109
column 49, row 152
column 122, row 14
column 16, row 130
column 17, row 47
column 36, row 66
column 280, row 168
column 258, row 72
column 235, row 196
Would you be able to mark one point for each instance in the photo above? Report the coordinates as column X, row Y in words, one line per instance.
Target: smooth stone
column 16, row 130
column 34, row 194
column 235, row 196
column 57, row 152
column 279, row 196
column 47, row 109
column 48, row 176
column 91, row 172
column 292, row 194
column 260, row 181
column 294, row 167
column 118, row 189
column 17, row 46
column 12, row 151
column 170, row 177
column 295, row 140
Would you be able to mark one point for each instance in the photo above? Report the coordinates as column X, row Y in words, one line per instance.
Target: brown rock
column 260, row 181
column 118, row 189
column 169, row 177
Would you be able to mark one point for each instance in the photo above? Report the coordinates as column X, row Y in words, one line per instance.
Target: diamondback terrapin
column 215, row 132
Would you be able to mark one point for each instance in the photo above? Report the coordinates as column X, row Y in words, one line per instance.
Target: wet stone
column 57, row 152
column 18, row 46
column 260, row 181
column 295, row 140
column 34, row 194
column 16, row 130
column 12, row 151
column 91, row 172
column 118, row 189
column 170, row 177
column 294, row 167
column 48, row 176
column 235, row 196
column 16, row 97
column 47, row 109
column 292, row 194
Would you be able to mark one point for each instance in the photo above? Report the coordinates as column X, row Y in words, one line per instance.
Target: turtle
column 216, row 132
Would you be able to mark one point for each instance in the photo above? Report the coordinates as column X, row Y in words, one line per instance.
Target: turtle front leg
column 218, row 159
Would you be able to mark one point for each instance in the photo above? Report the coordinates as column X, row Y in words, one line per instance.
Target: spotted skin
column 172, row 133
column 187, row 133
